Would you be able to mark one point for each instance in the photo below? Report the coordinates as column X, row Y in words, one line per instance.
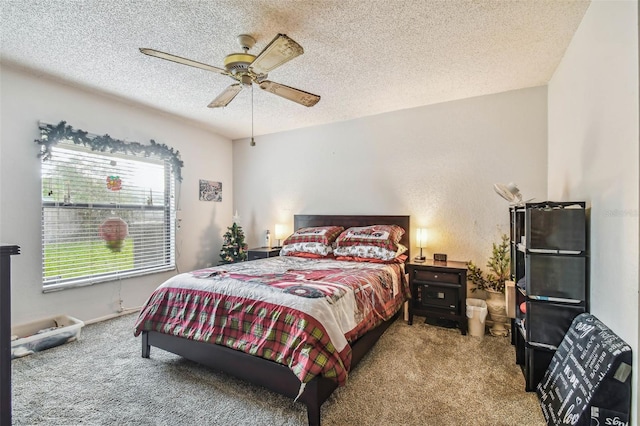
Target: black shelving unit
column 549, row 264
column 6, row 251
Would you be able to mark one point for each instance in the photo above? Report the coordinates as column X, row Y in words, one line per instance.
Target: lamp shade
column 280, row 231
column 421, row 237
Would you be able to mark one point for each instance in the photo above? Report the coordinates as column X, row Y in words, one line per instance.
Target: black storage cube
column 537, row 361
column 556, row 276
column 552, row 320
column 556, row 228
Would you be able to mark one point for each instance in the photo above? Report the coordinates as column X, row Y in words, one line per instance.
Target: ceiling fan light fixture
column 238, row 62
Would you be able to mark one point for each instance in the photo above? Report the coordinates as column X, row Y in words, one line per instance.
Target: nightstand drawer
column 263, row 253
column 446, row 277
column 437, row 296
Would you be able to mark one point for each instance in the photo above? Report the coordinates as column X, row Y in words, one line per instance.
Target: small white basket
column 44, row 334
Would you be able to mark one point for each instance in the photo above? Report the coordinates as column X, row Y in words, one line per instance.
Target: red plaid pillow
column 315, row 234
column 386, row 236
column 400, row 259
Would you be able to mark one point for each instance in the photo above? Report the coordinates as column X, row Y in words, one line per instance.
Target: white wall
column 27, row 99
column 593, row 156
column 436, row 163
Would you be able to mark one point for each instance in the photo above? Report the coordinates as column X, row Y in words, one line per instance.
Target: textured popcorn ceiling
column 363, row 57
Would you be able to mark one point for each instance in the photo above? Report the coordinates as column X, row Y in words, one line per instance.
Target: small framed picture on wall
column 210, row 191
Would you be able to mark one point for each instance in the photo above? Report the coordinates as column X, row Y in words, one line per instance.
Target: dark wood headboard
column 305, row 220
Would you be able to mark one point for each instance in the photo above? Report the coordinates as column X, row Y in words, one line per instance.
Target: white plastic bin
column 44, row 334
column 477, row 313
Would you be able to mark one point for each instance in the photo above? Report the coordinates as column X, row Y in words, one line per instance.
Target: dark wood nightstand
column 439, row 291
column 263, row 252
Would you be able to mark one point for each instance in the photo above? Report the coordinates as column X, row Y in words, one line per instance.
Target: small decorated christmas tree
column 234, row 249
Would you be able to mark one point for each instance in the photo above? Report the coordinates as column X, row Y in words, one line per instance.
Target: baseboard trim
column 126, row 311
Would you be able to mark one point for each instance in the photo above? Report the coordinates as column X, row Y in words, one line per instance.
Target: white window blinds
column 105, row 216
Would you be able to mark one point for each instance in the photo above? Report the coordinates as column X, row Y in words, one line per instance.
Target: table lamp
column 280, row 232
column 421, row 241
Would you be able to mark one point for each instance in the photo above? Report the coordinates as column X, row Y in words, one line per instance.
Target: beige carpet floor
column 415, row 375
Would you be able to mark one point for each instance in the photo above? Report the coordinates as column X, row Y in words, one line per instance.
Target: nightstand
column 439, row 291
column 263, row 252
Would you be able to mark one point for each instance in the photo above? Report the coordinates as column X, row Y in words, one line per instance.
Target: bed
column 286, row 373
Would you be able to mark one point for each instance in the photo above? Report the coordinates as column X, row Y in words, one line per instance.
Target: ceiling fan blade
column 296, row 95
column 280, row 50
column 225, row 97
column 183, row 61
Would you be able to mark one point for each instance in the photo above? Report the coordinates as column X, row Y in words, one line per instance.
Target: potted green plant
column 492, row 282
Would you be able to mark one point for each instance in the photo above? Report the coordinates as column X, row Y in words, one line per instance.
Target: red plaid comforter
column 298, row 312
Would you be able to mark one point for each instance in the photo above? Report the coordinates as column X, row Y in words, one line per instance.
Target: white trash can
column 477, row 313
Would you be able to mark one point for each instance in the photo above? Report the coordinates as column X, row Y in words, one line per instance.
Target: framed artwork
column 210, row 191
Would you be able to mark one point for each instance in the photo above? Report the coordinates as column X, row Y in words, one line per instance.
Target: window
column 81, row 189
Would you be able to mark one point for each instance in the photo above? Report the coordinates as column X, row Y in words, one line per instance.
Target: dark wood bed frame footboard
column 271, row 375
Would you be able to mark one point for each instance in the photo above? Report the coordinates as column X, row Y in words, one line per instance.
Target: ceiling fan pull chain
column 253, row 142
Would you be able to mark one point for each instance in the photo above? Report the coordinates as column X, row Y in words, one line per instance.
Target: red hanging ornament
column 114, row 231
column 114, row 183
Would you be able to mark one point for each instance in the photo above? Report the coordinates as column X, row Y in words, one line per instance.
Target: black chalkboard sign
column 588, row 381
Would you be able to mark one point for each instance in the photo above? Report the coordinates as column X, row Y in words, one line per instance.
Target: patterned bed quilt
column 299, row 312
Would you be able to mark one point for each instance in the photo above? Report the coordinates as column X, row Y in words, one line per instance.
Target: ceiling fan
column 248, row 69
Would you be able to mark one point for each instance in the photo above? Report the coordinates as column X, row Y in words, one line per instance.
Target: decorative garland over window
column 52, row 134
